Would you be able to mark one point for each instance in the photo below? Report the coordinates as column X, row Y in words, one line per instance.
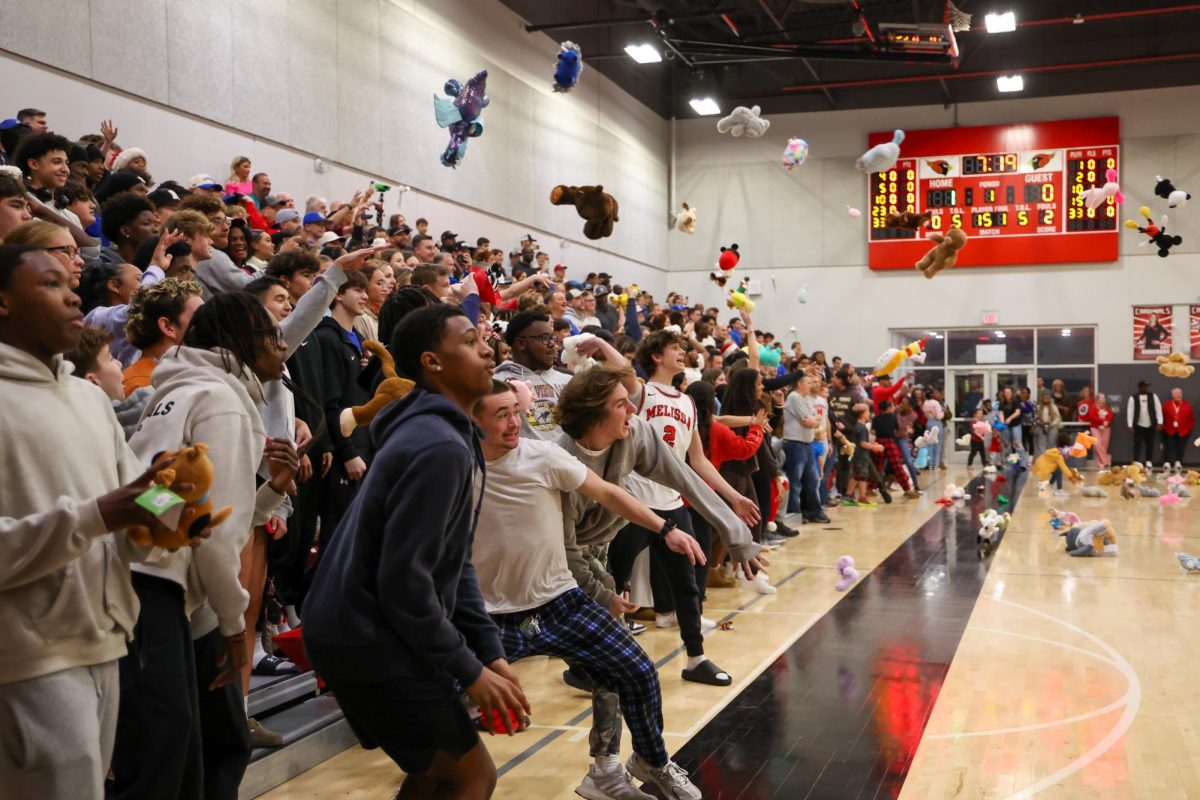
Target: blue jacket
column 396, row 586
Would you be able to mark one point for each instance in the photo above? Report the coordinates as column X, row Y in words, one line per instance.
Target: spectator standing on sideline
column 1144, row 416
column 1178, row 421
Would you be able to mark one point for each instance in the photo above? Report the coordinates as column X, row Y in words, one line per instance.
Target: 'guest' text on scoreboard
column 1014, row 189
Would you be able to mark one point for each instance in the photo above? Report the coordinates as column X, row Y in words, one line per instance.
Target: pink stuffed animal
column 1168, row 499
column 981, row 428
column 845, row 567
column 524, row 392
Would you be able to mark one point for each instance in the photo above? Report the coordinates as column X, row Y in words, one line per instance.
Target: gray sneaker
column 599, row 784
column 671, row 779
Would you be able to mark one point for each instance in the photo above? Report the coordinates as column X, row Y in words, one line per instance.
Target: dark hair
column 288, row 263
column 120, row 210
column 655, row 345
column 119, row 182
column 37, row 145
column 11, row 137
column 235, row 322
column 145, row 251
column 11, row 186
column 885, row 406
column 419, row 238
column 420, row 332
column 584, row 400
column 704, row 396
column 203, row 202
column 427, row 274
column 71, row 191
column 355, row 279
column 561, row 324
column 93, row 284
column 518, row 324
column 402, row 302
column 1062, row 440
column 26, row 113
column 86, row 355
column 741, row 393
column 500, row 387
column 11, row 256
column 260, row 285
column 254, row 178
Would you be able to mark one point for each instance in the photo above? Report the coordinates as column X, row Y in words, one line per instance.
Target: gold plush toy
column 1175, row 366
column 191, row 466
column 1136, row 473
column 1111, row 477
column 393, row 388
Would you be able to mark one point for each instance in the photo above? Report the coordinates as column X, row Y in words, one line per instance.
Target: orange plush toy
column 191, row 466
column 1084, row 442
column 393, row 388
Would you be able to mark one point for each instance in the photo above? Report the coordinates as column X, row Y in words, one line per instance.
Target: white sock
column 608, row 763
column 292, row 618
column 259, row 651
column 695, row 661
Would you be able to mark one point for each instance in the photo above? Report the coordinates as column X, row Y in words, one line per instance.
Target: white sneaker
column 1060, row 493
column 707, row 624
column 600, row 784
column 671, row 779
column 759, row 584
column 1178, row 467
column 671, row 621
column 1149, row 468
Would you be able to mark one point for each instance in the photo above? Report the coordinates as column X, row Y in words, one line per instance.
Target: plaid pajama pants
column 574, row 627
column 892, row 456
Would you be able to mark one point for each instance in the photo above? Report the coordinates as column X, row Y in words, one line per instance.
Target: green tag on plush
column 158, row 500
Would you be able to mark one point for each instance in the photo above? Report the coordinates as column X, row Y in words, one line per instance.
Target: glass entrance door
column 970, row 387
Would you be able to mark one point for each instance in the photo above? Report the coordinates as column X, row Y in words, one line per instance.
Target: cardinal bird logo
column 941, row 166
column 1041, row 159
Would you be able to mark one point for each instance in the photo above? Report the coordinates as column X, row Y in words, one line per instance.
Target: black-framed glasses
column 70, row 250
column 546, row 338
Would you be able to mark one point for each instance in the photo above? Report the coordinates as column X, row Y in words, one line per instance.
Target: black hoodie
column 396, row 588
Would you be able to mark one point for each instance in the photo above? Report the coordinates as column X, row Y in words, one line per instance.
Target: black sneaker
column 784, row 529
column 887, row 497
column 576, row 678
column 820, row 518
column 708, row 672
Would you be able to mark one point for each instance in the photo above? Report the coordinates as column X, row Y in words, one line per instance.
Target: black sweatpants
column 1173, row 447
column 337, row 493
column 1143, row 443
column 224, row 732
column 660, row 584
column 977, row 447
column 624, row 549
column 156, row 755
column 288, row 555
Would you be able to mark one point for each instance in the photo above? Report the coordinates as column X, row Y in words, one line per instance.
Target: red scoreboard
column 1015, row 190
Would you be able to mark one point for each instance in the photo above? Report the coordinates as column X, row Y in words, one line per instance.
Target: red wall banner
column 1194, row 329
column 1151, row 332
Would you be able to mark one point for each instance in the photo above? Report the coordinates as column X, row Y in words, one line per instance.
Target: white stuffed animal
column 881, row 157
column 964, row 440
column 685, row 220
column 744, row 121
column 926, row 439
column 571, row 358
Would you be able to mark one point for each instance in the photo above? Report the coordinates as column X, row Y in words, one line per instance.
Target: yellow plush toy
column 1136, row 473
column 393, row 388
column 1175, row 366
column 739, row 300
column 191, row 466
column 1111, row 477
column 1192, row 477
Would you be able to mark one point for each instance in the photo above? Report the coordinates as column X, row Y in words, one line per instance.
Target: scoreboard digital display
column 1016, row 190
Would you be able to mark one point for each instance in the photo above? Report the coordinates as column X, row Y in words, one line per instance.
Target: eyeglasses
column 70, row 250
column 546, row 338
column 219, row 222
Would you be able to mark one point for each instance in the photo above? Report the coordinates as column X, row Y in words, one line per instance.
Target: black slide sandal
column 708, row 672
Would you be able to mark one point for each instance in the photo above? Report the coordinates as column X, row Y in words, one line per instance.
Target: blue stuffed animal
column 568, row 67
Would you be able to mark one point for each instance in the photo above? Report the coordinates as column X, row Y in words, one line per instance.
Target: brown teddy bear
column 944, row 254
column 191, row 466
column 1175, row 366
column 593, row 204
column 393, row 388
column 908, row 220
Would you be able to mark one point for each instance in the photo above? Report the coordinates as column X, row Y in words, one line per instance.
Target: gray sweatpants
column 56, row 733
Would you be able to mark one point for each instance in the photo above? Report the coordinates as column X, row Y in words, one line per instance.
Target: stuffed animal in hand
column 1175, row 366
column 392, row 388
column 846, row 572
column 926, row 439
column 794, row 153
column 1095, row 538
column 907, row 220
column 685, row 220
column 964, row 440
column 594, row 205
column 567, row 67
column 191, row 465
column 881, row 157
column 981, row 428
column 1176, row 198
column 1155, row 233
column 726, row 263
column 1096, row 195
column 944, row 253
column 744, row 121
column 1084, row 442
column 571, row 357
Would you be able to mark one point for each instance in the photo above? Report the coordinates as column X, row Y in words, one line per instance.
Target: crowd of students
column 505, row 507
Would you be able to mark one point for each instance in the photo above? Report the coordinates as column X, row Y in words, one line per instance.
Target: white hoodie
column 65, row 596
column 196, row 401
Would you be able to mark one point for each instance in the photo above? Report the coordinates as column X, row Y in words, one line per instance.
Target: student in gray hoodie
column 205, row 392
column 67, row 608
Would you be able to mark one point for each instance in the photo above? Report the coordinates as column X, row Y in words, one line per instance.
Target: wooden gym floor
column 938, row 676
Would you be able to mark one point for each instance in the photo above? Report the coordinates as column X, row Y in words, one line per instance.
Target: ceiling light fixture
column 643, row 53
column 704, row 106
column 1000, row 23
column 1010, row 83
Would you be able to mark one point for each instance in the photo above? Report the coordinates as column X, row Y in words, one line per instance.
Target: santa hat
column 125, row 156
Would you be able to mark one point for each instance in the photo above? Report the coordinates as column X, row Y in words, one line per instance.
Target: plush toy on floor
column 1129, row 489
column 726, row 263
column 894, row 356
column 571, row 357
column 1175, row 366
column 1176, row 198
column 1189, row 563
column 1093, row 491
column 743, row 121
column 991, row 523
column 392, row 388
column 1062, row 519
column 1155, row 233
column 685, row 220
column 593, row 204
column 1135, row 472
column 848, row 574
column 461, row 115
column 944, row 254
column 1096, row 195
column 190, row 465
column 1148, row 491
column 1093, row 539
column 794, row 153
column 1192, row 477
column 567, row 67
column 1177, row 484
column 1111, row 477
column 907, row 220
column 1169, row 499
column 881, row 157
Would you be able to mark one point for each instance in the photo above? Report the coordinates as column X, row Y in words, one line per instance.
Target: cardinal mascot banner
column 1151, row 332
column 1194, row 329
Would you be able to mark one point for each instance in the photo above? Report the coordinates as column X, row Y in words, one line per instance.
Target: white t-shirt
column 672, row 415
column 519, row 553
column 547, row 386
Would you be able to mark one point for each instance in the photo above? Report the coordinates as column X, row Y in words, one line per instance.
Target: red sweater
column 1099, row 416
column 725, row 445
column 1178, row 418
column 885, row 393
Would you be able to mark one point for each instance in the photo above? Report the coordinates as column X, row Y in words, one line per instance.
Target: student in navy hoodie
column 395, row 618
